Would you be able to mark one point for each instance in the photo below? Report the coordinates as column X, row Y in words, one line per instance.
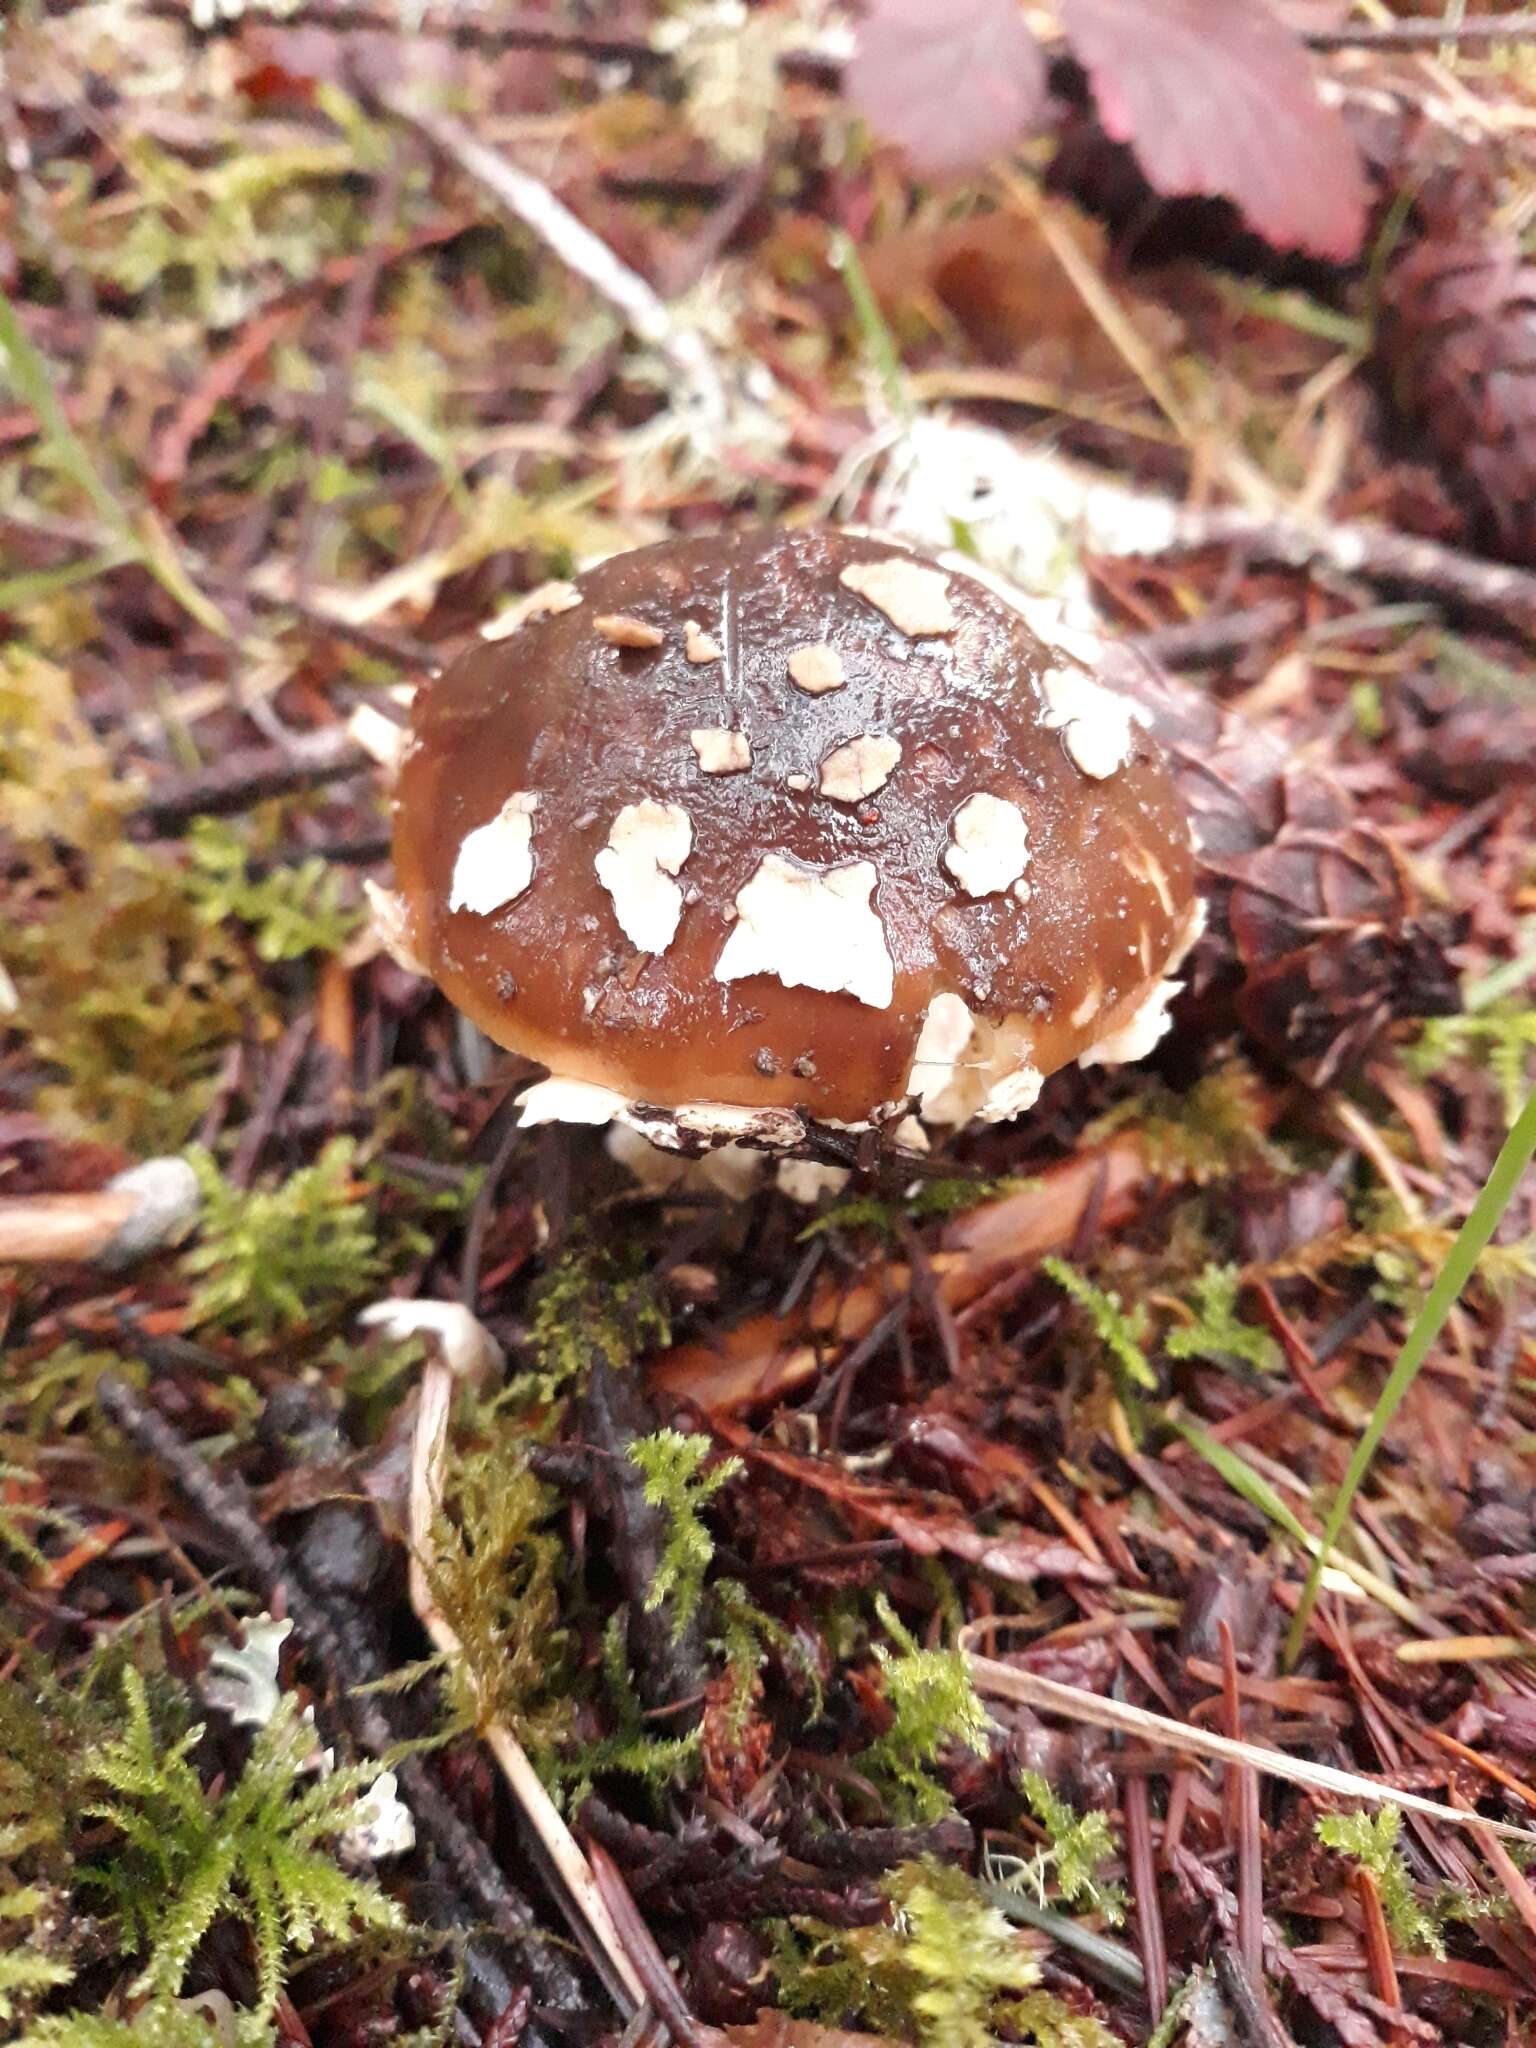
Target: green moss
column 1370, row 1840
column 1218, row 1333
column 934, row 1707
column 260, row 1850
column 126, row 998
column 495, row 1575
column 1213, row 1131
column 593, row 1303
column 158, row 2023
column 1079, row 1843
column 291, row 1257
column 295, row 909
column 1122, row 1332
column 929, row 1200
column 944, row 1969
column 676, row 1484
column 633, row 1750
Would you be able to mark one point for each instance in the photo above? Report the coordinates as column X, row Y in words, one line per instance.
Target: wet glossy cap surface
column 725, row 825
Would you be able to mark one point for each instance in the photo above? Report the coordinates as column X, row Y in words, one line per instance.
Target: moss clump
column 593, row 1304
column 294, row 909
column 125, row 997
column 934, row 1707
column 261, row 1851
column 944, row 1969
column 283, row 1258
column 495, row 1575
column 675, row 1483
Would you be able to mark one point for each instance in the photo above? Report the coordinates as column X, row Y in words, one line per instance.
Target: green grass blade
column 31, row 589
column 879, row 342
column 27, row 371
column 24, row 367
column 1472, row 1241
column 1244, row 1481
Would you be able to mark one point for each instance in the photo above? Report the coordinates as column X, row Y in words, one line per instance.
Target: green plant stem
column 879, row 343
column 1472, row 1241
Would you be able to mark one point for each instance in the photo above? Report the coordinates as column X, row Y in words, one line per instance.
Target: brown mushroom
column 959, row 869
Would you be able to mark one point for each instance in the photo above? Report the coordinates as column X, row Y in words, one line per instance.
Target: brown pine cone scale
column 1457, row 346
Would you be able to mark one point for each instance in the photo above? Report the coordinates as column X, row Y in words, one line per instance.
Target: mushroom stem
column 132, row 1216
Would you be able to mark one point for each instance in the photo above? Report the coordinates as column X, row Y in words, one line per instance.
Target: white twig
column 1005, row 1681
column 468, row 1352
column 135, row 1214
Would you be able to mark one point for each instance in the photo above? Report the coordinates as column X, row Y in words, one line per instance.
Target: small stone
column 914, row 599
column 620, row 630
column 697, row 645
column 798, row 783
column 816, row 669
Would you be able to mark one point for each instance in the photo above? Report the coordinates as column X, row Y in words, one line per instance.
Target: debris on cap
column 914, row 599
column 989, row 846
column 816, row 669
column 647, row 844
column 721, row 751
column 810, row 930
column 620, row 630
column 697, row 644
column 1097, row 724
column 859, row 767
column 543, row 603
column 495, row 861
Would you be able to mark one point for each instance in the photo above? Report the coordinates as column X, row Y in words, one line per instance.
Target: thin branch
column 491, row 30
column 523, row 196
column 1375, row 552
column 1095, row 1710
column 1425, row 35
column 252, row 774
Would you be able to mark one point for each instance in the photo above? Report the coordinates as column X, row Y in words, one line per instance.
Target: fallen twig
column 1094, row 1710
column 136, row 1214
column 1424, row 35
column 523, row 196
column 252, row 774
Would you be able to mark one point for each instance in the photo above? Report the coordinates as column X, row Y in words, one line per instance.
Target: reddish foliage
column 1219, row 99
column 955, row 86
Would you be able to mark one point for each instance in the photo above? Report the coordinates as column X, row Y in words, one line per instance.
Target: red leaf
column 954, row 82
column 1218, row 98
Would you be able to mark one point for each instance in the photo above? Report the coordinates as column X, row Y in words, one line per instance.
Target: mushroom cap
column 728, row 824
